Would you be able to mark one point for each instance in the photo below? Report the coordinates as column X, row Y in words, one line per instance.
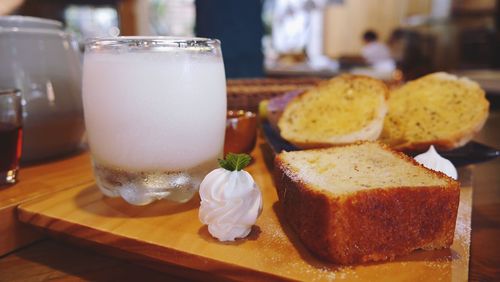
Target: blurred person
column 376, row 53
column 238, row 25
column 378, row 57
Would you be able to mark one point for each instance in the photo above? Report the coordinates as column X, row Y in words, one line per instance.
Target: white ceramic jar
column 41, row 60
column 29, row 22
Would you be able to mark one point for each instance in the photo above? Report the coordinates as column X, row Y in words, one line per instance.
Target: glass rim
column 7, row 91
column 151, row 42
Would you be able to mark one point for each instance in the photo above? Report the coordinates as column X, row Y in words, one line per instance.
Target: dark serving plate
column 471, row 153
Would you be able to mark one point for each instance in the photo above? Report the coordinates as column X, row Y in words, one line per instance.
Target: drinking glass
column 10, row 135
column 155, row 110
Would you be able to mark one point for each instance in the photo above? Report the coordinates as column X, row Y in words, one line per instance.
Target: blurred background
column 281, row 38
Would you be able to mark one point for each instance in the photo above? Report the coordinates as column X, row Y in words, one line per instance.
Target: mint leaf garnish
column 235, row 162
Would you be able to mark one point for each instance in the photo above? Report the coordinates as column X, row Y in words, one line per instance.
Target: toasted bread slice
column 365, row 202
column 438, row 109
column 343, row 110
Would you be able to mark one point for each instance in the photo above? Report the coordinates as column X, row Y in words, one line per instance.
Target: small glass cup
column 241, row 132
column 10, row 135
column 154, row 111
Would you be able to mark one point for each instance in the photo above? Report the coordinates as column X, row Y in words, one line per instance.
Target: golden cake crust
column 368, row 225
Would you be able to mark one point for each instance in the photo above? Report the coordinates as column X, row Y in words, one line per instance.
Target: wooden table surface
column 48, row 259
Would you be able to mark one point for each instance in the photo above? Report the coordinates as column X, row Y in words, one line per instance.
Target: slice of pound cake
column 439, row 109
column 365, row 202
column 343, row 110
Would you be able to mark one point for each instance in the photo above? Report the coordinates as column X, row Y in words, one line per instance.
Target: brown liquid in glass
column 10, row 146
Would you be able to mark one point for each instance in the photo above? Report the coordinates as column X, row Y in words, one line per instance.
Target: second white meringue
column 432, row 160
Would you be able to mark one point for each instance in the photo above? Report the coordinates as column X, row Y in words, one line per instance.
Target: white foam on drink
column 155, row 110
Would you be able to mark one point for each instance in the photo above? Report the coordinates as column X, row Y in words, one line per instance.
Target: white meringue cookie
column 432, row 160
column 230, row 203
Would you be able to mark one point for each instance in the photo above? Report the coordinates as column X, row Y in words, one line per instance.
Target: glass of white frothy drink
column 155, row 110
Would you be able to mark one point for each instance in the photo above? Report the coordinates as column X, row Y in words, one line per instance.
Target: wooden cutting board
column 165, row 234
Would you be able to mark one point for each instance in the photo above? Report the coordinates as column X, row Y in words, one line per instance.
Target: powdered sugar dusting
column 282, row 254
column 290, row 259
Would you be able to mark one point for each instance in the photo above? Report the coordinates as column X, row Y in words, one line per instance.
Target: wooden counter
column 36, row 181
